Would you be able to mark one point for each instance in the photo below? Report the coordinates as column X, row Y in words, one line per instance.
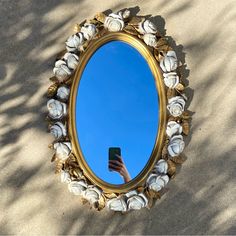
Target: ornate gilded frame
column 142, row 34
column 143, row 49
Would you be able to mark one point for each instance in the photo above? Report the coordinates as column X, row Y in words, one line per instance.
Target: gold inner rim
column 145, row 52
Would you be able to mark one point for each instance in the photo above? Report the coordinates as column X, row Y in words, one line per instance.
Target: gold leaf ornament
column 185, row 115
column 110, row 195
column 135, row 20
column 54, row 79
column 77, row 28
column 100, row 17
column 158, row 55
column 76, row 172
column 162, row 45
column 164, row 152
column 131, row 30
column 151, row 195
column 52, row 90
column 140, row 189
column 178, row 159
column 180, row 87
column 59, row 166
column 170, row 93
column 101, row 203
column 186, row 127
column 93, row 21
column 53, row 157
column 171, row 168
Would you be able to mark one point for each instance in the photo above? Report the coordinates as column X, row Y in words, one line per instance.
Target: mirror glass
column 117, row 112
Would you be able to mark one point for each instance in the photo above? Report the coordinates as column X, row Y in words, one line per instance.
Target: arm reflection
column 120, row 167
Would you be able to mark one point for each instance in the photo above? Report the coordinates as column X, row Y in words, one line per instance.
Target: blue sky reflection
column 117, row 106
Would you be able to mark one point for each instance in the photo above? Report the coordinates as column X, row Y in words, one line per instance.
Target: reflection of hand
column 119, row 166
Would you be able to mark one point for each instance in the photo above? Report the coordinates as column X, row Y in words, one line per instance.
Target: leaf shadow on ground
column 26, row 37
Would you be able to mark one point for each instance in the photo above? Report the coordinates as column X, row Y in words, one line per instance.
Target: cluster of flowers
column 74, row 44
column 133, row 200
column 175, row 104
column 57, row 110
column 63, row 69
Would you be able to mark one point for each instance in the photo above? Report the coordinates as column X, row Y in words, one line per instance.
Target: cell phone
column 113, row 151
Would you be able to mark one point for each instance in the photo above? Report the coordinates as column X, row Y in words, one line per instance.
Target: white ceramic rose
column 63, row 150
column 114, row 22
column 161, row 167
column 117, row 204
column 169, row 62
column 176, row 106
column 171, row 79
column 173, row 128
column 150, row 39
column 156, row 182
column 61, row 70
column 77, row 187
column 131, row 193
column 176, row 145
column 75, row 42
column 137, row 202
column 89, row 30
column 65, row 177
column 92, row 193
column 56, row 109
column 58, row 130
column 72, row 60
column 147, row 27
column 63, row 93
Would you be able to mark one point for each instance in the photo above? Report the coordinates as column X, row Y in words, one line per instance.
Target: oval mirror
column 116, row 111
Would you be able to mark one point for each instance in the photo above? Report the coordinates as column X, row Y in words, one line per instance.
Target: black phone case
column 113, row 151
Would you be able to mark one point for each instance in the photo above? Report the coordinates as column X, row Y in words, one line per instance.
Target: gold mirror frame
column 150, row 184
column 145, row 52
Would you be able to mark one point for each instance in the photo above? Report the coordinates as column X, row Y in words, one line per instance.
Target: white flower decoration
column 114, row 22
column 58, row 130
column 176, row 106
column 161, row 167
column 75, row 42
column 176, row 145
column 137, row 202
column 147, row 27
column 77, row 187
column 65, row 177
column 63, row 150
column 150, row 39
column 169, row 62
column 89, row 30
column 156, row 182
column 92, row 194
column 61, row 70
column 171, row 79
column 72, row 60
column 117, row 204
column 56, row 109
column 63, row 93
column 173, row 128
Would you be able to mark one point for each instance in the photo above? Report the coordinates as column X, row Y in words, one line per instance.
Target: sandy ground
column 200, row 200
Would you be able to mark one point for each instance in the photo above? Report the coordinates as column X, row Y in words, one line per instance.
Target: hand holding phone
column 117, row 164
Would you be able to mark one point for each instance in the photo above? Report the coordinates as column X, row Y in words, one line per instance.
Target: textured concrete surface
column 200, row 200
